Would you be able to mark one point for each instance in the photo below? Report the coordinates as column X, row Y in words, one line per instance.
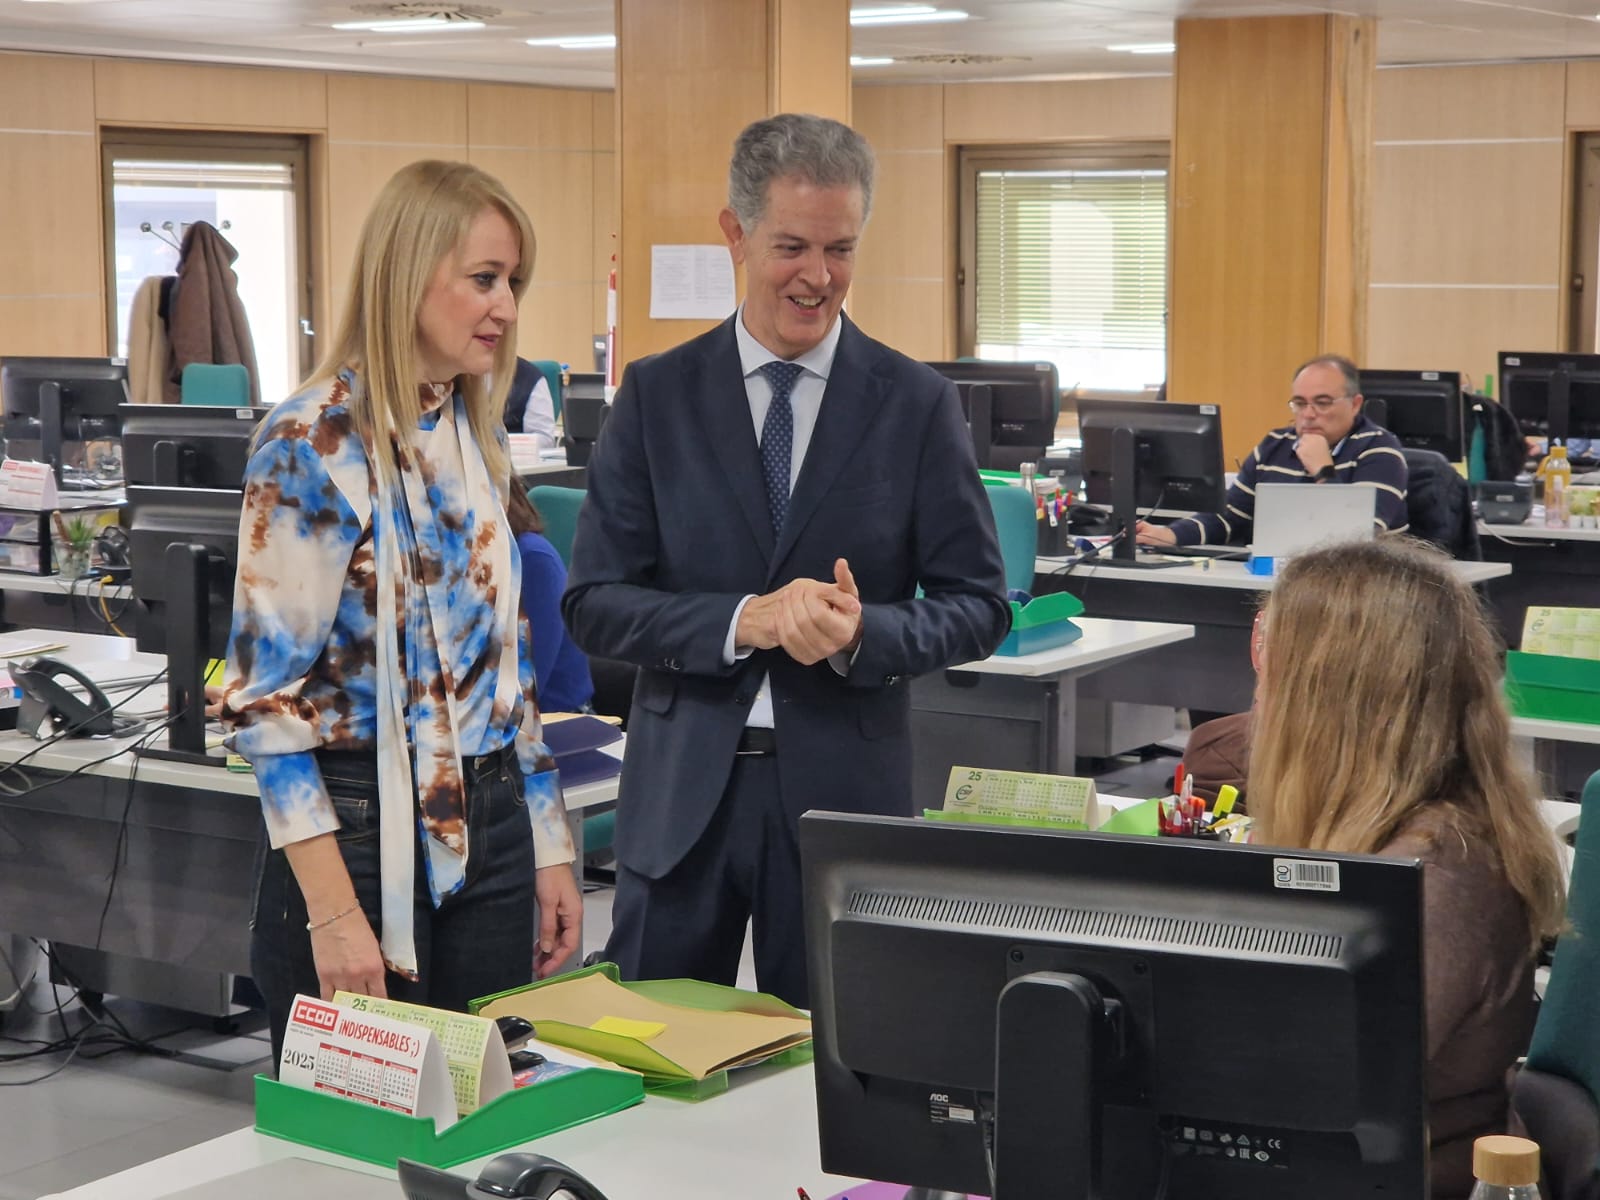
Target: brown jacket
column 1478, row 988
column 1218, row 752
column 206, row 320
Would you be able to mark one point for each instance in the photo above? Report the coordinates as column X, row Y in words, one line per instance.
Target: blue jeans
column 479, row 941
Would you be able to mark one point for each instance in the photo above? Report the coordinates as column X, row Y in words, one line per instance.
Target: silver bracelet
column 313, row 926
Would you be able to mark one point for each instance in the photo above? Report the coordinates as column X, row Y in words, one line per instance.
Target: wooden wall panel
column 906, row 235
column 555, row 322
column 425, row 113
column 555, row 187
column 546, row 118
column 1583, row 95
column 1074, row 110
column 1347, row 186
column 605, row 202
column 811, row 66
column 1479, row 102
column 55, row 202
column 900, row 118
column 1467, row 214
column 46, row 91
column 70, row 326
column 908, row 315
column 135, row 92
column 1460, row 329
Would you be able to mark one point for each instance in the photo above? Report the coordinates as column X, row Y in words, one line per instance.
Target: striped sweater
column 1368, row 454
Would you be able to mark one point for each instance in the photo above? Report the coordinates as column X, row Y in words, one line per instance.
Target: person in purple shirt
column 559, row 668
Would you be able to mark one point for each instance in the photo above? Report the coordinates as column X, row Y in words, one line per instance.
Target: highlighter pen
column 1226, row 795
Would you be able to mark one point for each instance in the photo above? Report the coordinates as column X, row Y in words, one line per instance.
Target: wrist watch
column 1328, row 472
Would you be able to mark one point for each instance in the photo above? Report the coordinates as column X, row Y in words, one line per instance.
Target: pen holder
column 1053, row 539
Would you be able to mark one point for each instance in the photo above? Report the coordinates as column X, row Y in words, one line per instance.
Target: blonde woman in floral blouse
column 381, row 680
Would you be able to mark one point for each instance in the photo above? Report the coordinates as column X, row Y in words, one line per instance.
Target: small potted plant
column 75, row 538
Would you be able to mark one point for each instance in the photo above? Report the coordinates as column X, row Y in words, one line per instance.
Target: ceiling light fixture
column 905, row 16
column 1145, row 48
column 413, row 25
column 601, row 41
column 858, row 61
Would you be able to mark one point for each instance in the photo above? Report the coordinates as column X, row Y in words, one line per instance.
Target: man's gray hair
column 1352, row 376
column 821, row 151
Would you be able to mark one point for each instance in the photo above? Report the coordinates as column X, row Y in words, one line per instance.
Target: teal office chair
column 559, row 507
column 221, row 385
column 1554, row 1095
column 1017, row 526
column 551, row 370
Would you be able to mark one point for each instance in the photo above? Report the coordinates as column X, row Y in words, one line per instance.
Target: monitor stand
column 188, row 650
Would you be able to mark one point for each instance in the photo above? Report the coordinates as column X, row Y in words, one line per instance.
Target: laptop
column 1295, row 517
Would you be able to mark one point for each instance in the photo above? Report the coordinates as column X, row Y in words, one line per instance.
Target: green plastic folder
column 1549, row 687
column 1042, row 624
column 380, row 1136
column 661, row 1075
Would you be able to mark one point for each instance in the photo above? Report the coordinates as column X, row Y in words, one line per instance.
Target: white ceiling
column 1032, row 38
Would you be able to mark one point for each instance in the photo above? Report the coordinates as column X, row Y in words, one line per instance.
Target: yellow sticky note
column 639, row 1031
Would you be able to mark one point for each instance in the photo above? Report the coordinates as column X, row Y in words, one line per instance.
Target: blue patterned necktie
column 777, row 438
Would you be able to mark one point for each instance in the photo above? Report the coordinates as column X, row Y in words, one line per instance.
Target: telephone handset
column 47, row 702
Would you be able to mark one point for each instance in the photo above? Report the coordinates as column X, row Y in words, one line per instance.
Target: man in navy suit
column 763, row 504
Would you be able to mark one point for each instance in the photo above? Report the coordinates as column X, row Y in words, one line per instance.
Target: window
column 252, row 192
column 1065, row 258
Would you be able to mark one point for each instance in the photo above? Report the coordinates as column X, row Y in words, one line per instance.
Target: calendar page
column 473, row 1049
column 366, row 1057
column 1567, row 632
column 1017, row 796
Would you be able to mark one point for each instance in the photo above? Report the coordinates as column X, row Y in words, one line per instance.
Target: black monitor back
column 1553, row 395
column 1263, row 999
column 157, row 517
column 1422, row 408
column 1178, row 451
column 91, row 391
column 187, row 445
column 1021, row 401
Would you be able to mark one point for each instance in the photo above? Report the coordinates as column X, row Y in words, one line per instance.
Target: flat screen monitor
column 1556, row 396
column 1421, row 408
column 187, row 445
column 1170, row 457
column 49, row 401
column 1115, row 1017
column 583, row 413
column 1010, row 407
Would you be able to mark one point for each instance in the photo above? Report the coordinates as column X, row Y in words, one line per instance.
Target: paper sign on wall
column 691, row 282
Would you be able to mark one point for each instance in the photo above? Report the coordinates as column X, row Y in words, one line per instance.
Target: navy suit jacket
column 675, row 532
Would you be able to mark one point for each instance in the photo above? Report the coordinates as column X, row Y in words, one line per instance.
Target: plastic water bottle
column 1556, row 471
column 1506, row 1168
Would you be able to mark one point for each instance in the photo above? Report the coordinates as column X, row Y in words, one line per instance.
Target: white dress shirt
column 805, row 398
column 539, row 417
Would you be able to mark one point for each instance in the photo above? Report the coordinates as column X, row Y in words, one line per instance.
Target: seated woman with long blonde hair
column 1380, row 729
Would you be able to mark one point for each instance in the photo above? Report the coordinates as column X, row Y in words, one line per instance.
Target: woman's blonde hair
column 421, row 215
column 1379, row 700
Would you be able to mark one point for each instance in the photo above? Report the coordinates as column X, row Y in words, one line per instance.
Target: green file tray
column 1551, row 687
column 662, row 1077
column 379, row 1136
column 1044, row 623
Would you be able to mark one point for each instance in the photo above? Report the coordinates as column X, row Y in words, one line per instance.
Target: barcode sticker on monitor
column 1304, row 875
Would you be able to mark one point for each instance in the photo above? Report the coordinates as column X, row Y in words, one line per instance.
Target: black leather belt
column 756, row 740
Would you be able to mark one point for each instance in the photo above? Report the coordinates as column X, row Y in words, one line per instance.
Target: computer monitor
column 1115, row 1017
column 1421, row 408
column 187, row 445
column 584, row 411
column 1150, row 454
column 49, row 401
column 600, row 342
column 1556, row 396
column 1011, row 408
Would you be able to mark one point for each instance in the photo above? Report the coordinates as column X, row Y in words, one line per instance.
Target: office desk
column 756, row 1142
column 1019, row 712
column 1559, row 567
column 1564, row 753
column 178, row 924
column 1212, row 671
column 53, row 602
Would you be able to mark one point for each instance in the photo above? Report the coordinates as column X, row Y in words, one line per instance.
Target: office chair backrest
column 1018, row 528
column 559, row 507
column 1555, row 1094
column 551, row 370
column 221, row 385
column 1439, row 504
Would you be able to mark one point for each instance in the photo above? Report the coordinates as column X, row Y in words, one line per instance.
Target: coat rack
column 172, row 234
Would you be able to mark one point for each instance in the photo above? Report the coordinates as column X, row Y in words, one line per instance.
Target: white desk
column 758, row 1141
column 57, row 585
column 1528, row 531
column 1018, row 712
column 1221, row 573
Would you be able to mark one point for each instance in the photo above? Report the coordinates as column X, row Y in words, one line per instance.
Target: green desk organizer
column 379, row 1136
column 1044, row 623
column 1550, row 687
column 662, row 1077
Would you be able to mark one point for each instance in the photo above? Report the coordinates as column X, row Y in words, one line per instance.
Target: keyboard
column 1226, row 553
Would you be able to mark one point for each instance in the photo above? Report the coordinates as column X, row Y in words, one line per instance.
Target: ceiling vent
column 961, row 60
column 417, row 10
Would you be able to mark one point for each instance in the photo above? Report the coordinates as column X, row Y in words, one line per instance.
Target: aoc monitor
column 1421, row 408
column 187, row 445
column 1044, row 1015
column 49, row 401
column 1010, row 407
column 1556, row 396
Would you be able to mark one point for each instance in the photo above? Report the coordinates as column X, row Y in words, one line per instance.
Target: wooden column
column 1271, row 190
column 690, row 75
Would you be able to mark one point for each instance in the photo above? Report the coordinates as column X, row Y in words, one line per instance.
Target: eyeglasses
column 1321, row 403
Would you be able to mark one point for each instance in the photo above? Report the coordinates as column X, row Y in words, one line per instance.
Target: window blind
column 1072, row 259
